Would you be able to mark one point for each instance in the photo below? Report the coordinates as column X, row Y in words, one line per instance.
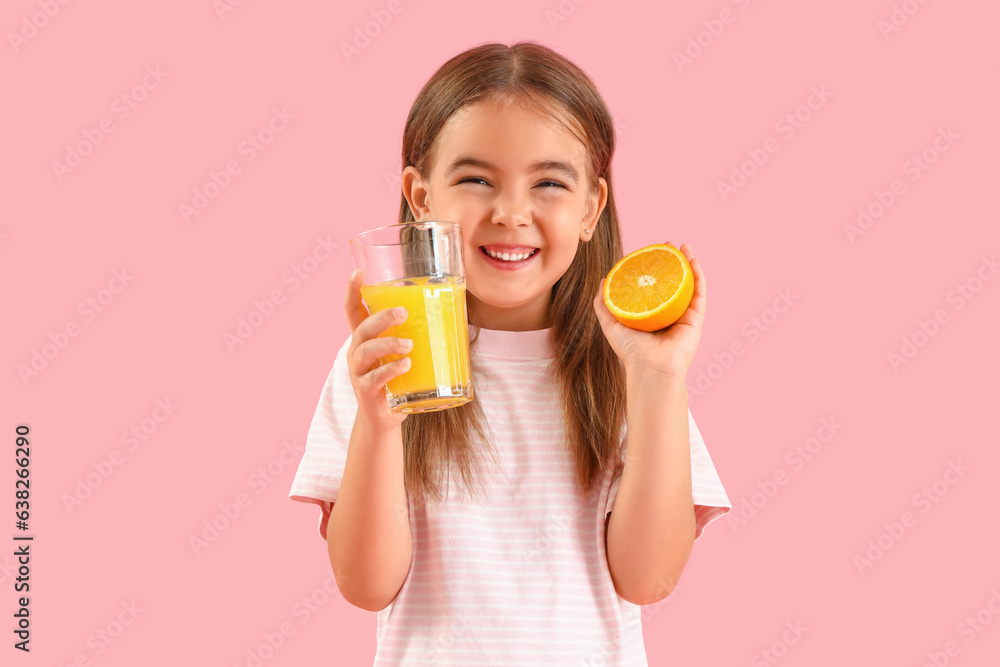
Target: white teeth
column 507, row 257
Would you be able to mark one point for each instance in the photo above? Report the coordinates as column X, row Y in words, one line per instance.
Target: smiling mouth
column 508, row 256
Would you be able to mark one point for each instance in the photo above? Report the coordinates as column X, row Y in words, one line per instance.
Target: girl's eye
column 476, row 179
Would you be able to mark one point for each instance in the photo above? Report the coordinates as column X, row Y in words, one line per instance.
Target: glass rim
column 359, row 239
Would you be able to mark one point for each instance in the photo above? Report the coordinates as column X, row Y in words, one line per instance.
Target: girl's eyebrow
column 563, row 168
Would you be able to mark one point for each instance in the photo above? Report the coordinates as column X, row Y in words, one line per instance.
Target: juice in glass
column 438, row 326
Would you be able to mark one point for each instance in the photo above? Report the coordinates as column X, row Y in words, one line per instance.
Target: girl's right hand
column 367, row 377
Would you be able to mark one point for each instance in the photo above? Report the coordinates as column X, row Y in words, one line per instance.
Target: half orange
column 650, row 289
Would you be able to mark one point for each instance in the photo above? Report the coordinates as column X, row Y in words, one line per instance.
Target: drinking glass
column 418, row 265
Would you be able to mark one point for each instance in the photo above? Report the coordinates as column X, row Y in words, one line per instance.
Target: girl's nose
column 512, row 210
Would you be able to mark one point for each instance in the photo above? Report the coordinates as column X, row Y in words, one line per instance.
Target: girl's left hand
column 669, row 351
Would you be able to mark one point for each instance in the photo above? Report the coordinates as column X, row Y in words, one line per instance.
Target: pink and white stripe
column 521, row 579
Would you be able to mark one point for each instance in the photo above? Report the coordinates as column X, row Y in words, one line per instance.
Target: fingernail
column 407, row 343
column 399, row 312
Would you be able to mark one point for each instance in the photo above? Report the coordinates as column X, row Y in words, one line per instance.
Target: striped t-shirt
column 523, row 578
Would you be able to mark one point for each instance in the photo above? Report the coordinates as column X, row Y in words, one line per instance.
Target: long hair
column 591, row 377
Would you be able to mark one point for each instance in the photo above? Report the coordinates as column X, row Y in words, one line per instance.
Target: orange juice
column 437, row 324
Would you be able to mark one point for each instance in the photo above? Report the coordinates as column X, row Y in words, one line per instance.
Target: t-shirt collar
column 513, row 344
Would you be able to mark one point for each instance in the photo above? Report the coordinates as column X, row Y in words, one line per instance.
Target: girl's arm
column 652, row 532
column 650, row 538
column 368, row 534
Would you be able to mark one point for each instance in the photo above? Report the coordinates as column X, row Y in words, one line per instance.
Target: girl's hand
column 367, row 377
column 669, row 351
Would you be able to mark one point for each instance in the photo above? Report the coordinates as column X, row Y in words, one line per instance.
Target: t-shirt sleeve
column 321, row 469
column 710, row 499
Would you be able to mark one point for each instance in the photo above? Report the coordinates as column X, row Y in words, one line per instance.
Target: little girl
column 483, row 534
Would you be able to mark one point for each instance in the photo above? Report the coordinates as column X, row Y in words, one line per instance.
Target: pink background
column 324, row 175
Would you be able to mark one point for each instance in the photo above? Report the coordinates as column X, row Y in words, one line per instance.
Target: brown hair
column 591, row 377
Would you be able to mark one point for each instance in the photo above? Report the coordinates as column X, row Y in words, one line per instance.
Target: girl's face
column 518, row 184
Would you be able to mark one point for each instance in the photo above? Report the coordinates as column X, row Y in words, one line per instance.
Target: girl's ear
column 416, row 193
column 596, row 202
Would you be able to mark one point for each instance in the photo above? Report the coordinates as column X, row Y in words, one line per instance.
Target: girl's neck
column 528, row 317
